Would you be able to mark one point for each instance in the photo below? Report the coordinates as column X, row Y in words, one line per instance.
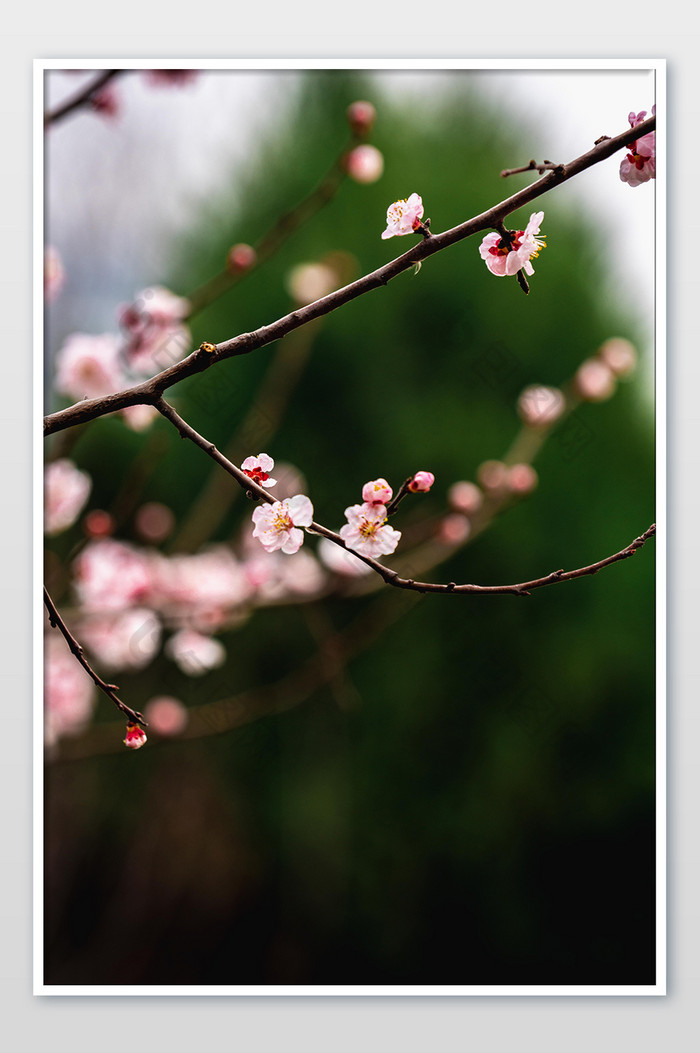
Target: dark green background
column 472, row 802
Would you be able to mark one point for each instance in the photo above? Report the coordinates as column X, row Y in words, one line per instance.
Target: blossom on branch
column 639, row 165
column 403, row 217
column 361, row 116
column 135, row 737
column 367, row 532
column 502, row 258
column 277, row 525
column 377, row 492
column 421, row 482
column 259, row 468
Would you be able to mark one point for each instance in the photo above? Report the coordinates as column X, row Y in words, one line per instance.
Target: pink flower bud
column 377, row 492
column 454, row 529
column 522, row 479
column 166, row 716
column 106, row 101
column 364, row 164
column 540, row 406
column 619, row 356
column 135, row 736
column 465, row 497
column 361, row 116
column 421, row 482
column 493, row 475
column 241, row 258
column 99, row 523
column 154, row 521
column 594, row 381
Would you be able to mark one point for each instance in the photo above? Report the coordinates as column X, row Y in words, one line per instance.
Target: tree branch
column 132, row 715
column 82, row 97
column 151, row 390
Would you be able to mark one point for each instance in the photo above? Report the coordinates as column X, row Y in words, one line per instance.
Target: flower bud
column 540, row 406
column 421, row 482
column 594, row 381
column 135, row 736
column 99, row 523
column 241, row 258
column 465, row 497
column 364, row 164
column 619, row 355
column 522, row 479
column 493, row 475
column 361, row 116
column 377, row 492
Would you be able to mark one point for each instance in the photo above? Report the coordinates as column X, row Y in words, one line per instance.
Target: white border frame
column 658, row 66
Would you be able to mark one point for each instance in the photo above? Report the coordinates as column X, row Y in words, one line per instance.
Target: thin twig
column 82, row 97
column 150, row 391
column 532, row 166
column 132, row 715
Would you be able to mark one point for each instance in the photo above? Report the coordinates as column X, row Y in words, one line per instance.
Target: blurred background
column 356, row 786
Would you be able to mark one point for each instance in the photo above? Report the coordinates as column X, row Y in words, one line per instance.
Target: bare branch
column 57, row 622
column 82, row 97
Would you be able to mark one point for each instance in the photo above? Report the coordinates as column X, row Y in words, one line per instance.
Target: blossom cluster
column 639, row 165
column 503, row 257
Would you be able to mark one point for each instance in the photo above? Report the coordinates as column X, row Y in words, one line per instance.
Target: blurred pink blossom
column 89, row 366
column 367, row 531
column 364, row 164
column 540, row 406
column 340, row 561
column 166, row 715
column 283, row 578
column 277, row 525
column 308, row 282
column 69, row 693
column 106, row 101
column 54, row 273
column 403, row 216
column 594, row 381
column 154, row 327
column 123, row 639
column 361, row 116
column 241, row 257
column 619, row 355
column 66, row 489
column 98, row 523
column 194, row 652
column 138, row 418
column 154, row 521
column 168, row 77
column 522, row 479
column 493, row 475
column 465, row 497
column 202, row 589
column 111, row 575
column 454, row 529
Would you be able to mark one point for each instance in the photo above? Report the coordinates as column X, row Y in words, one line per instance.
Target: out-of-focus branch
column 151, row 390
column 132, row 715
column 81, row 98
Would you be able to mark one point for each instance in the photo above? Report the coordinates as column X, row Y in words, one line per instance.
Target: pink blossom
column 619, row 356
column 364, row 164
column 194, row 652
column 522, row 479
column 241, row 258
column 111, row 575
column 166, row 716
column 465, row 497
column 66, row 489
column 421, row 482
column 340, row 560
column 259, row 468
column 367, row 531
column 280, row 578
column 69, row 693
column 377, row 492
column 361, row 116
column 154, row 327
column 202, row 588
column 120, row 640
column 168, row 77
column 89, row 366
column 639, row 165
column 540, row 406
column 503, row 259
column 277, row 525
column 594, row 381
column 308, row 282
column 98, row 523
column 493, row 475
column 138, row 418
column 106, row 101
column 454, row 529
column 403, row 217
column 135, row 736
column 54, row 274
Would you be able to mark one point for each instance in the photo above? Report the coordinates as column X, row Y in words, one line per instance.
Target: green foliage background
column 475, row 802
